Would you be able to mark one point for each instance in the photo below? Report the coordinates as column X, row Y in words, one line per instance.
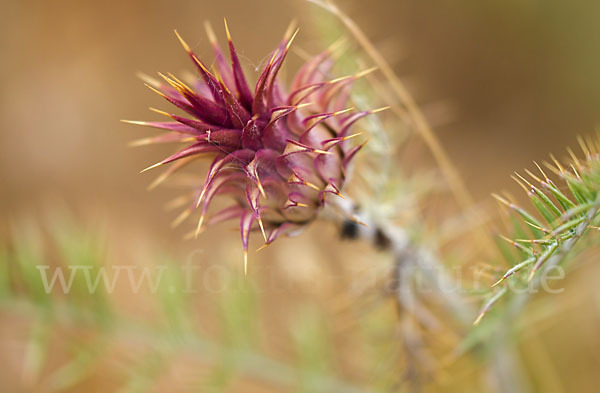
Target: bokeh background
column 504, row 83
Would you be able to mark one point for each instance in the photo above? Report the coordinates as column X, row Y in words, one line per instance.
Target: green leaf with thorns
column 567, row 217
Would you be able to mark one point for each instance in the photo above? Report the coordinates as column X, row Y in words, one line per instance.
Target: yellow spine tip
column 183, row 43
column 501, row 199
column 210, row 33
column 366, row 72
column 262, row 247
column 262, row 228
column 289, row 44
column 136, row 122
column 351, row 136
column 151, row 167
column 157, row 181
column 322, row 151
column 201, row 197
column 300, row 106
column 160, row 112
column 185, row 214
column 291, row 27
column 273, row 58
column 313, row 186
column 342, row 111
column 227, row 29
column 385, row 108
column 160, row 93
column 541, row 171
column 148, row 79
column 199, row 226
column 140, row 142
column 533, row 176
column 261, row 189
column 201, row 65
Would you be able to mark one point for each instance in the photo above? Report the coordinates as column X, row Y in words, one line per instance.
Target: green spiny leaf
column 562, row 199
column 543, row 208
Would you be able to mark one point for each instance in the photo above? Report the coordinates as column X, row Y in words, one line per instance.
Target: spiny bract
column 277, row 152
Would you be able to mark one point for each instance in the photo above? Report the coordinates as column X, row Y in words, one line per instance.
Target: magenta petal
column 240, row 80
column 207, row 110
column 199, row 126
column 169, row 125
column 350, row 155
column 225, row 138
column 217, row 185
column 198, row 148
column 251, row 135
column 281, row 230
column 227, row 214
column 221, row 63
column 163, row 138
column 308, row 74
column 328, row 167
column 348, row 122
column 246, row 221
column 276, row 172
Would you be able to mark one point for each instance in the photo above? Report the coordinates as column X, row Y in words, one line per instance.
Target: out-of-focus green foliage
column 564, row 213
column 39, row 250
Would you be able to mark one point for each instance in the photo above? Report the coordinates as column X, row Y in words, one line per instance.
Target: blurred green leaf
column 313, row 349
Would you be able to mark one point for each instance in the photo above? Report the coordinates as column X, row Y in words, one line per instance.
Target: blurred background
column 503, row 82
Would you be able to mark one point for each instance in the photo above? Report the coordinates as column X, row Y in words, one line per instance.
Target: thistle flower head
column 279, row 153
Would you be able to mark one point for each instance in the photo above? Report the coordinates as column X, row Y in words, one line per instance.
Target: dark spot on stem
column 349, row 230
column 382, row 241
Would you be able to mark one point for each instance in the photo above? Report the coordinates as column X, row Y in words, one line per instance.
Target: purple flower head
column 279, row 153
